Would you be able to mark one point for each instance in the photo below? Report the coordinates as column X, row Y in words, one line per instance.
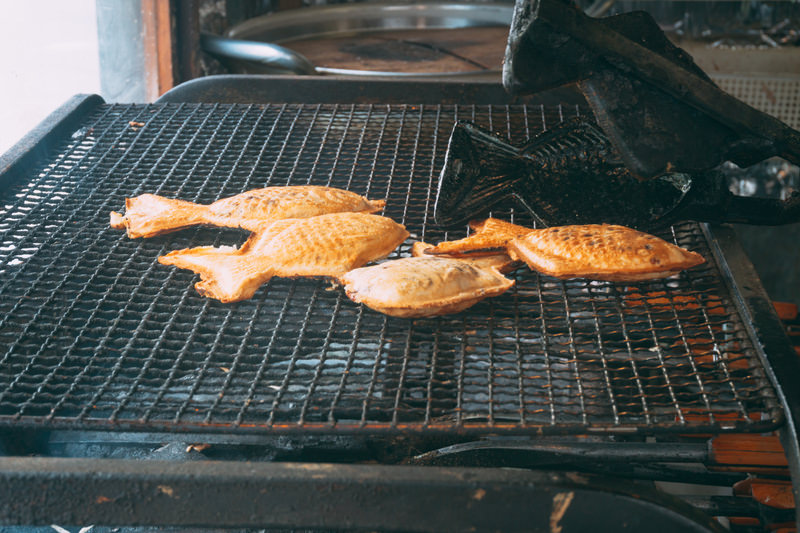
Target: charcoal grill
column 99, row 339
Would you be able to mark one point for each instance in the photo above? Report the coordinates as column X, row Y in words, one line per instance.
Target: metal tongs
column 661, row 128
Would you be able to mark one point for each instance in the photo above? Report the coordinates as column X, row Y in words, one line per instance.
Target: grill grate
column 95, row 333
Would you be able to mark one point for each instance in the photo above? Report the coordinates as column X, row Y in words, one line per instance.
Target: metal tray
column 97, row 334
column 264, row 44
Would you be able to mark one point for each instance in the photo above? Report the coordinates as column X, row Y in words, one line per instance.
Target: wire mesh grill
column 94, row 332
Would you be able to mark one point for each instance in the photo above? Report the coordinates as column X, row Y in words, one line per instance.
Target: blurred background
column 50, row 52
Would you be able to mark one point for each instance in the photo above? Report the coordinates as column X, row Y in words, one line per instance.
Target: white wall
column 48, row 52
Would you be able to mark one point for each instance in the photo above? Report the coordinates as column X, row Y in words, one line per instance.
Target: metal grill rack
column 94, row 333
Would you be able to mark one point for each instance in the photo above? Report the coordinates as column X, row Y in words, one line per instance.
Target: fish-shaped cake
column 326, row 245
column 592, row 251
column 424, row 286
column 149, row 215
column 601, row 252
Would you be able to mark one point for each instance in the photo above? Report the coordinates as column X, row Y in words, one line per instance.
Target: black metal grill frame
column 120, row 342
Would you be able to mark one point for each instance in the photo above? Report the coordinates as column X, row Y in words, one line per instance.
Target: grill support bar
column 241, row 494
column 765, row 329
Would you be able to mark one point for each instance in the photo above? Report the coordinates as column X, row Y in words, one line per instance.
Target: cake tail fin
column 226, row 274
column 148, row 215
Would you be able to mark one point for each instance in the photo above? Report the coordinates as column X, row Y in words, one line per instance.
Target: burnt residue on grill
column 95, row 334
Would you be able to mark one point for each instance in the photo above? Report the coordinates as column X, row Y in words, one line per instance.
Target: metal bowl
column 263, row 44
